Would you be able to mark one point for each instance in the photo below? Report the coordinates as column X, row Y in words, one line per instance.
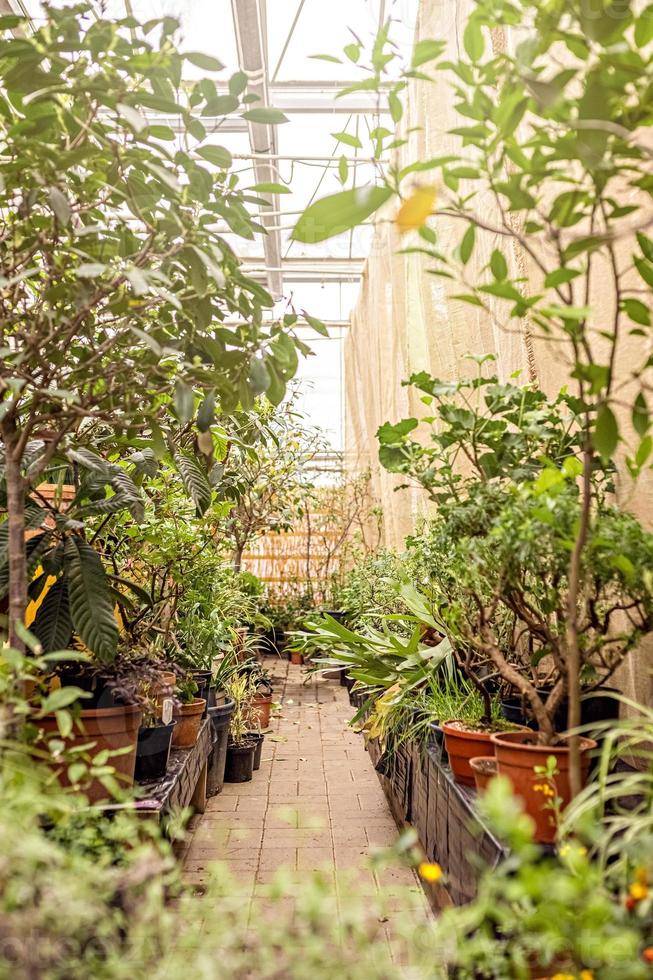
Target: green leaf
column 473, row 40
column 316, row 324
column 90, row 599
column 559, row 277
column 498, row 265
column 637, row 311
column 90, row 270
column 217, row 155
column 61, row 697
column 644, row 27
column 203, row 61
column 265, row 114
column 467, row 244
column 353, row 52
column 645, row 269
column 640, row 415
column 349, row 139
column 52, row 624
column 339, row 212
column 183, row 400
column 195, row 481
column 425, row 51
column 270, row 188
column 129, row 494
column 606, row 432
column 206, row 412
column 60, row 205
column 132, row 117
column 644, row 450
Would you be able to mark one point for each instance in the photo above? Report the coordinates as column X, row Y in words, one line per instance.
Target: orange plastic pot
column 261, row 707
column 113, row 729
column 189, row 721
column 296, row 658
column 463, row 745
column 484, row 768
column 517, row 755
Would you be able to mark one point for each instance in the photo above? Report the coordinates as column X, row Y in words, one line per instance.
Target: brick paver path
column 315, row 803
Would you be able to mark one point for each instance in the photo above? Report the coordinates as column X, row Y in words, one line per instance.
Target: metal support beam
column 251, row 42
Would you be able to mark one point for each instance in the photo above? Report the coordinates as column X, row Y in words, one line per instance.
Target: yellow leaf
column 416, row 209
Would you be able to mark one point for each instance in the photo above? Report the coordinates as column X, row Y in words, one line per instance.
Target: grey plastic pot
column 220, row 716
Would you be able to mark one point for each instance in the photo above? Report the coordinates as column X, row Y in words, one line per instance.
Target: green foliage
column 126, row 316
column 520, row 924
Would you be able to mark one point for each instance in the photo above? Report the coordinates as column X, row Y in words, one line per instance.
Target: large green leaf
column 91, row 607
column 53, row 625
column 195, row 481
column 339, row 212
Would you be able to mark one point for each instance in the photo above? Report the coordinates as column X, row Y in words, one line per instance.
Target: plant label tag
column 166, row 711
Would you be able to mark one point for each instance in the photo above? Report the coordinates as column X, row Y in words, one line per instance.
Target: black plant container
column 153, row 752
column 259, row 738
column 220, row 716
column 240, row 762
column 203, row 680
column 595, row 707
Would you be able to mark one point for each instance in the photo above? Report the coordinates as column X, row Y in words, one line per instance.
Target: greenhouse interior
column 326, row 451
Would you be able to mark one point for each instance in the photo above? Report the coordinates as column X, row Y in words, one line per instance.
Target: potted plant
column 241, row 747
column 154, row 735
column 189, row 712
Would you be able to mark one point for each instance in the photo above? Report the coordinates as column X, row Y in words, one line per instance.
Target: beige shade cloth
column 405, row 319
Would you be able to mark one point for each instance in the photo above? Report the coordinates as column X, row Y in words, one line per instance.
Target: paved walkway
column 315, row 803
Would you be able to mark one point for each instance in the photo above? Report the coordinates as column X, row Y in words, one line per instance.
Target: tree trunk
column 16, row 542
column 238, row 557
column 571, row 630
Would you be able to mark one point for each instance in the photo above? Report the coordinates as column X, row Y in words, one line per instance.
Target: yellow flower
column 638, row 891
column 416, row 209
column 586, row 975
column 429, row 872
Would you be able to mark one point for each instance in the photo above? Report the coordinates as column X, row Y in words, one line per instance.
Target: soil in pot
column 153, row 752
column 261, row 707
column 189, row 719
column 484, row 768
column 240, row 762
column 463, row 742
column 220, row 717
column 517, row 755
column 112, row 729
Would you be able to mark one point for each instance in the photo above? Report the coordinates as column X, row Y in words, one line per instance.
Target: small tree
column 116, row 284
column 551, row 135
column 269, row 479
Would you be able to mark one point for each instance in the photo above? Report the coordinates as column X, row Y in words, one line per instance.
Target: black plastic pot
column 259, row 738
column 153, row 752
column 203, row 680
column 436, row 741
column 240, row 762
column 220, row 716
column 595, row 707
column 338, row 614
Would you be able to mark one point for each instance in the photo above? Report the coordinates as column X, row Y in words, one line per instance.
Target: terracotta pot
column 189, row 720
column 110, row 729
column 461, row 746
column 517, row 754
column 296, row 658
column 261, row 706
column 484, row 768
